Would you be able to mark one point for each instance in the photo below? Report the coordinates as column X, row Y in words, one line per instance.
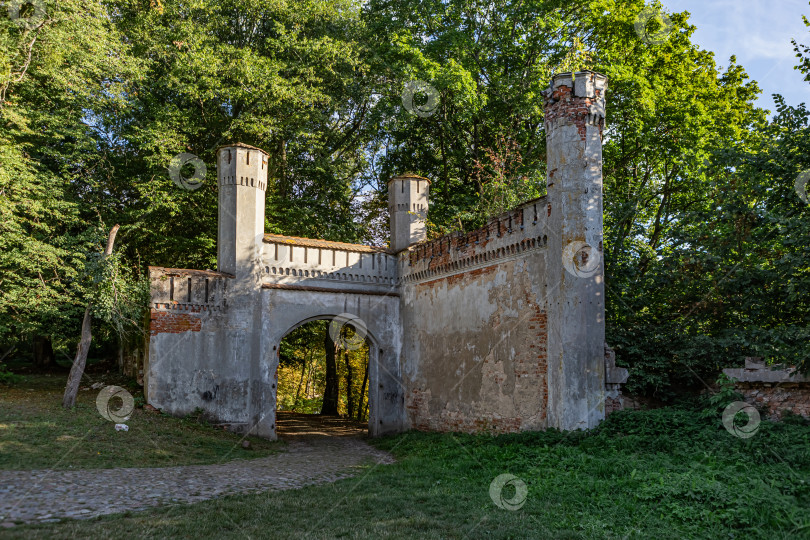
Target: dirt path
column 318, row 451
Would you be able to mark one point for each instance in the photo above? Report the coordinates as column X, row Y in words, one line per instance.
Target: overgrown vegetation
column 667, row 473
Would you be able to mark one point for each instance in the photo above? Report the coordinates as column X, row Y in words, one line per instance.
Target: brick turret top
column 576, row 97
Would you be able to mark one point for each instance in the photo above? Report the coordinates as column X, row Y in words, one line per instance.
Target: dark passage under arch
column 323, row 381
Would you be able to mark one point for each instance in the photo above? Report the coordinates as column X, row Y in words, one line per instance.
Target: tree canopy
column 705, row 251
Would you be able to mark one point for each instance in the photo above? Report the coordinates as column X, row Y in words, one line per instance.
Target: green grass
column 36, row 432
column 669, row 473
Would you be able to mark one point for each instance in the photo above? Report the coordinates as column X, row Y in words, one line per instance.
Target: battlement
column 288, row 259
column 240, row 164
column 503, row 237
column 188, row 290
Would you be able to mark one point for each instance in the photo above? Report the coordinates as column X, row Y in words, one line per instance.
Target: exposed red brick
column 169, row 322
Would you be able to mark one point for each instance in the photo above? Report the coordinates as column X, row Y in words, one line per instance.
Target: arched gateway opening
column 323, row 379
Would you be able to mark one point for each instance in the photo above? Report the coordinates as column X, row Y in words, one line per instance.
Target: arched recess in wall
column 302, row 375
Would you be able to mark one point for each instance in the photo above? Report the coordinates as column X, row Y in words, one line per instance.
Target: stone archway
column 338, row 427
column 285, row 309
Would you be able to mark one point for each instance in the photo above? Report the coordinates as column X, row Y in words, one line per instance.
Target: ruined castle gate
column 500, row 329
column 215, row 347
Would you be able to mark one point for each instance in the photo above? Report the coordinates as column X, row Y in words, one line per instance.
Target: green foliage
column 54, row 77
column 726, row 393
column 501, row 186
column 285, row 78
column 488, row 62
column 302, row 371
column 121, row 298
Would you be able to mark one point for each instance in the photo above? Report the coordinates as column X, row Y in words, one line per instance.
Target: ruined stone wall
column 475, row 327
column 775, row 399
column 193, row 358
column 500, row 329
column 772, row 389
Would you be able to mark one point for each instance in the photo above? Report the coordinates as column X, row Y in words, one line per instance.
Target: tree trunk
column 301, row 381
column 362, row 394
column 77, row 369
column 43, row 352
column 308, row 387
column 349, row 397
column 330, row 393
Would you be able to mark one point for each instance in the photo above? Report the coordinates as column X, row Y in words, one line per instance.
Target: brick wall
column 774, row 389
column 171, row 322
column 182, row 298
column 775, row 399
column 613, row 404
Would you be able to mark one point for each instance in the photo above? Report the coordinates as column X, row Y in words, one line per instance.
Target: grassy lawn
column 37, row 433
column 668, row 473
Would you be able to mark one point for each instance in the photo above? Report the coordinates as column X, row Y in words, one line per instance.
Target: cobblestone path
column 33, row 496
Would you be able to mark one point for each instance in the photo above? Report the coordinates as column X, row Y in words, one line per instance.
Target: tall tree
column 283, row 75
column 58, row 63
column 670, row 108
column 331, row 392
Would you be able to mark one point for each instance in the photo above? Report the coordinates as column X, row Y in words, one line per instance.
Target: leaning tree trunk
column 330, row 393
column 77, row 370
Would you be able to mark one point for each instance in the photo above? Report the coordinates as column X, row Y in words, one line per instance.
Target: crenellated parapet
column 240, row 164
column 290, row 261
column 505, row 236
column 407, row 207
column 193, row 291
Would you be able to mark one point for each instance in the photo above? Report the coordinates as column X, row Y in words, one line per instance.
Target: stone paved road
column 32, row 496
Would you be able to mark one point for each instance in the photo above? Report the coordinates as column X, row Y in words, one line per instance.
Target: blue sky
column 758, row 32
